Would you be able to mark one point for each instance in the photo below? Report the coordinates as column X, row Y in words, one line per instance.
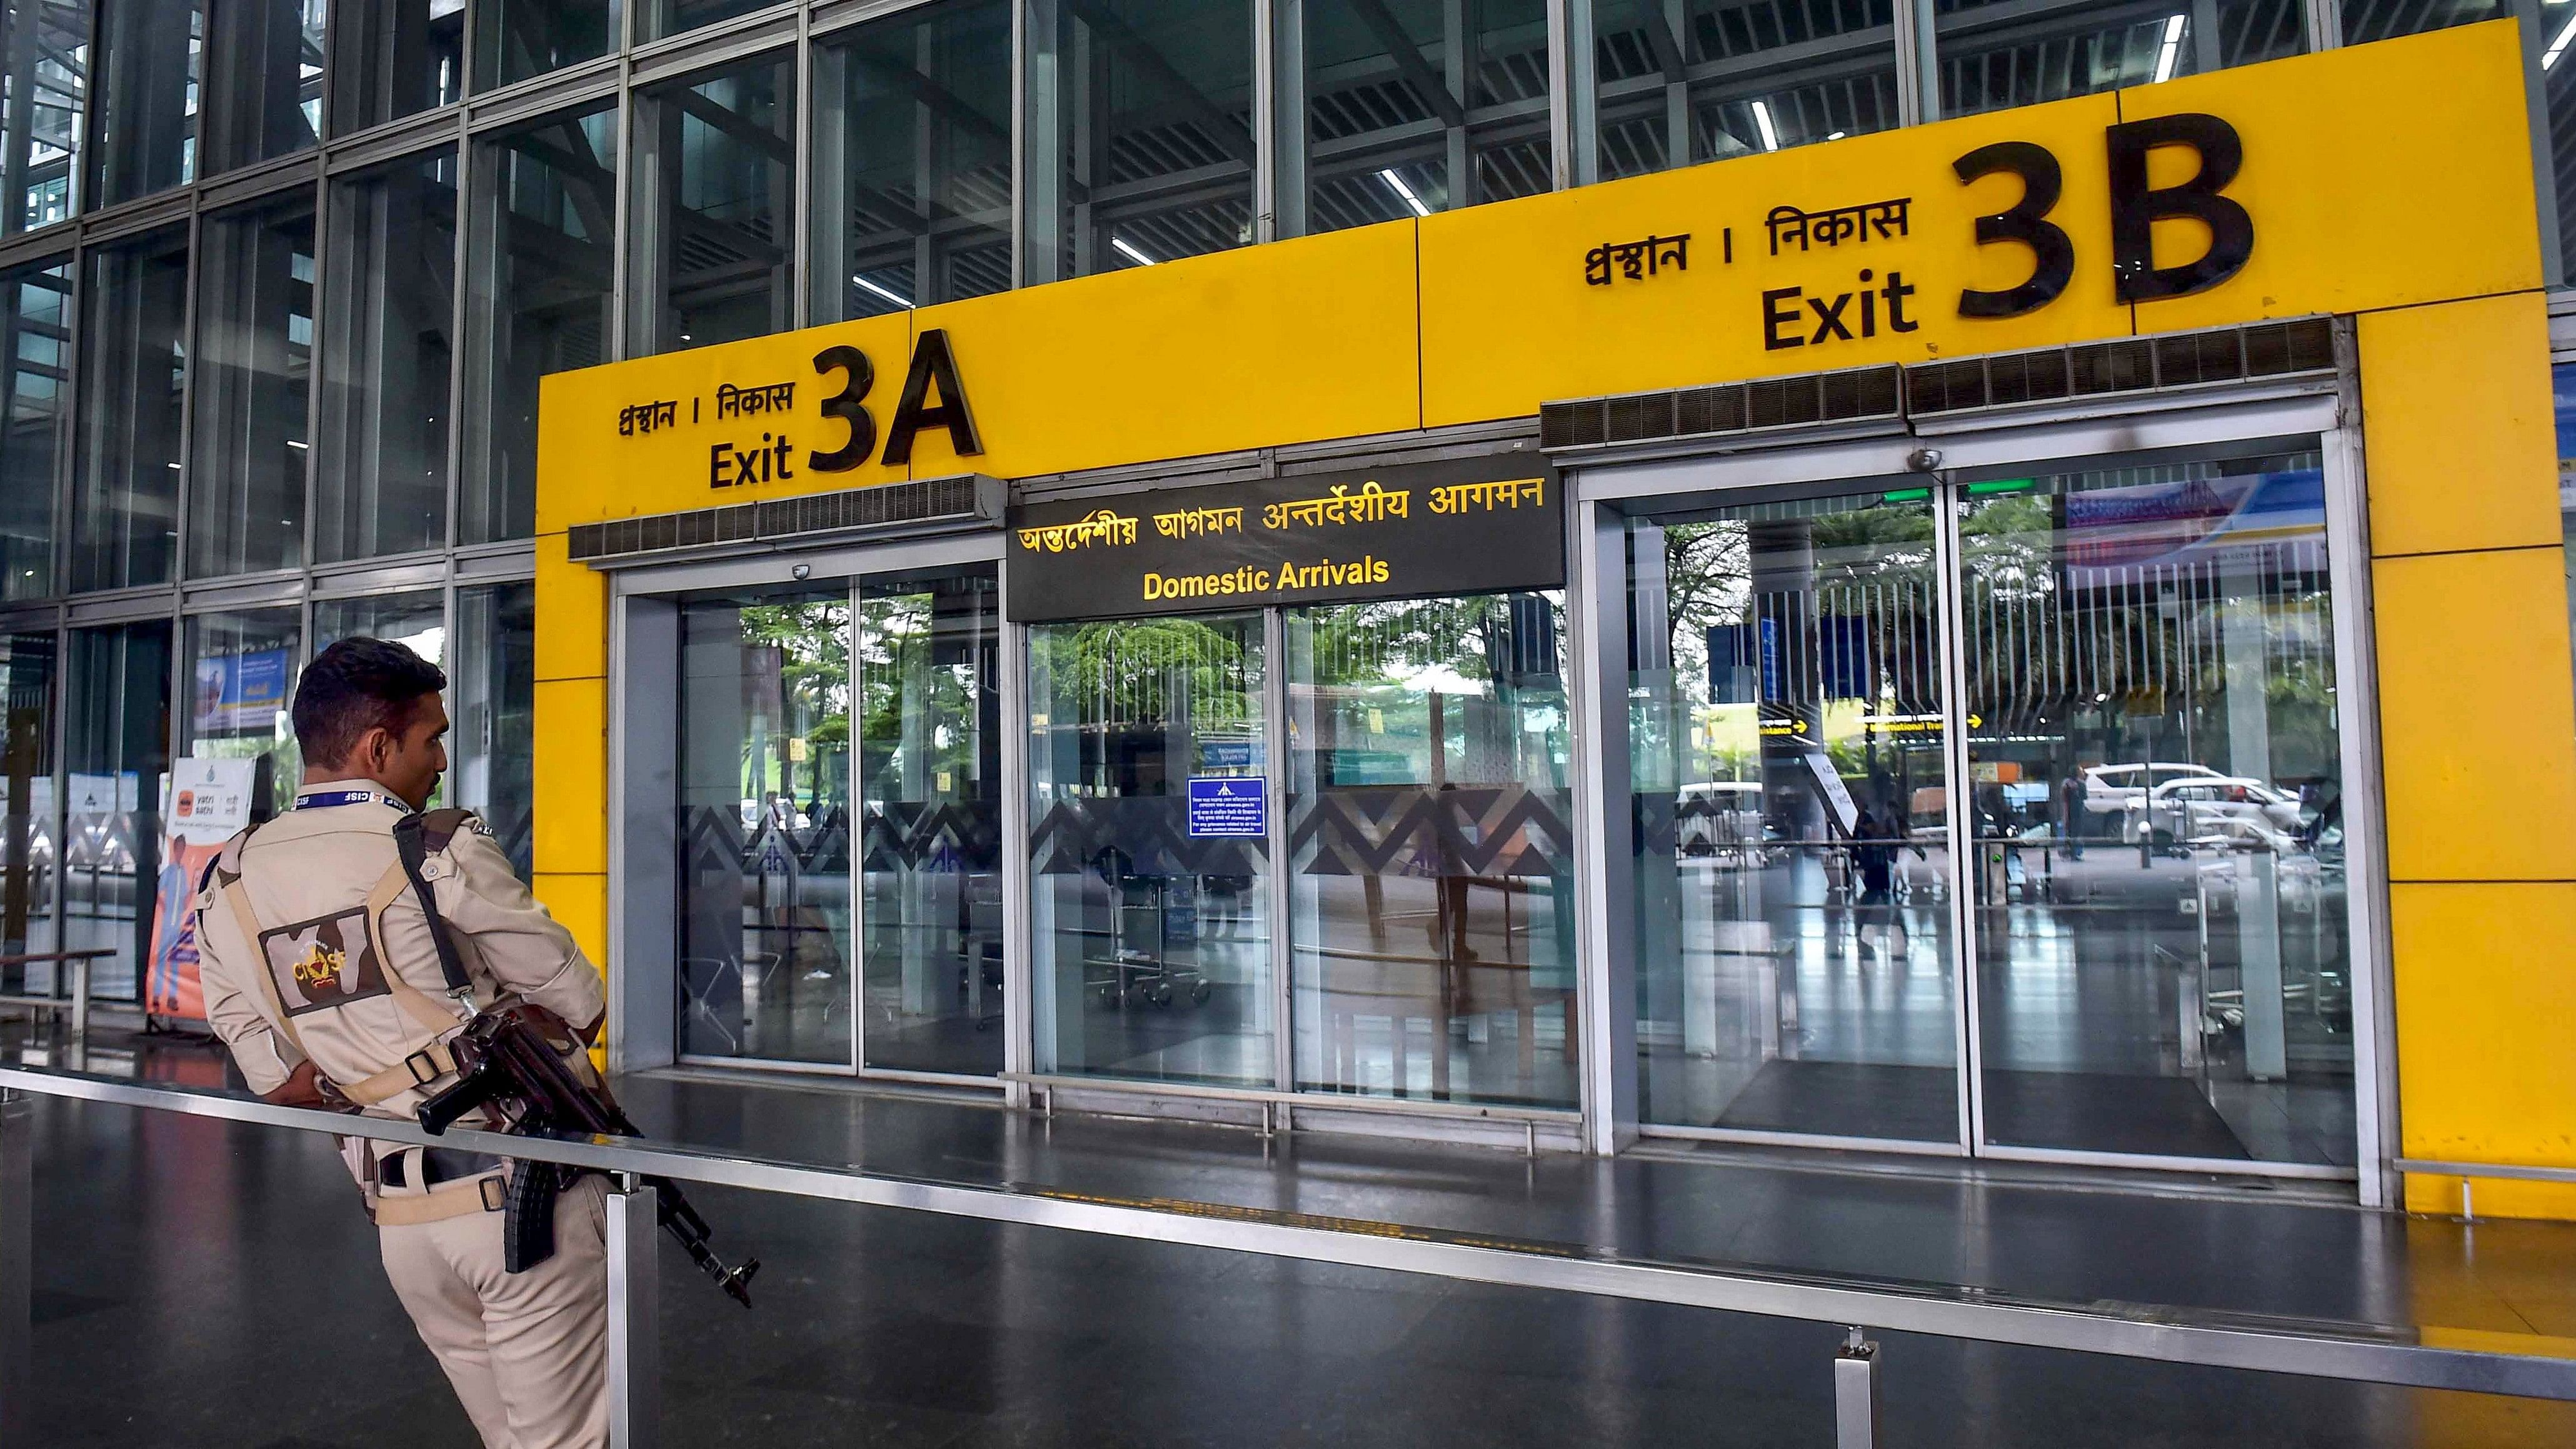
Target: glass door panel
column 930, row 811
column 1431, row 850
column 1795, row 967
column 1151, row 940
column 764, row 910
column 2157, row 883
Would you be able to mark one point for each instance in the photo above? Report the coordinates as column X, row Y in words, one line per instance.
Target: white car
column 2122, row 789
column 2228, row 805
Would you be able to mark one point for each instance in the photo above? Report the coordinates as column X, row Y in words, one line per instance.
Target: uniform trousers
column 526, row 1352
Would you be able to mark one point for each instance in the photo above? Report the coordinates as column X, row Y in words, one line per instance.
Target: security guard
column 322, row 976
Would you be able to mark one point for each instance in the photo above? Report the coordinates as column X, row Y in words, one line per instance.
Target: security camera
column 1923, row 460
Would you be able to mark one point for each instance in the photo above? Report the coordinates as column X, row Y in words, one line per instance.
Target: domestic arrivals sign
column 1480, row 526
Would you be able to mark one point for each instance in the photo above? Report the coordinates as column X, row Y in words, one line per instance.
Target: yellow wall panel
column 590, row 466
column 1509, row 320
column 2361, row 197
column 2457, row 421
column 2486, row 989
column 571, row 776
column 1290, row 342
column 581, row 903
column 572, row 615
column 2477, row 724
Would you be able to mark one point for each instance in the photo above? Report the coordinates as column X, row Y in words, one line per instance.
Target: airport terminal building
column 1966, row 580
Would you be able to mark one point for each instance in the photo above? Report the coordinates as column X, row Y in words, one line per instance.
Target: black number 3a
column 849, row 407
column 2052, row 253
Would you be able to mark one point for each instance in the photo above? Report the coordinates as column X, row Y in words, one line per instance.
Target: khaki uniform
column 314, row 947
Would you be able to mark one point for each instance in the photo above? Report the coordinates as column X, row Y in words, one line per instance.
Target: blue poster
column 1229, row 806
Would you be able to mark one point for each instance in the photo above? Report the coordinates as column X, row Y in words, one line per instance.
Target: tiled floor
column 202, row 1284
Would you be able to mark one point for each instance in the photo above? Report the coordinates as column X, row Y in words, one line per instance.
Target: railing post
column 80, row 999
column 17, row 1266
column 1856, row 1393
column 634, row 1318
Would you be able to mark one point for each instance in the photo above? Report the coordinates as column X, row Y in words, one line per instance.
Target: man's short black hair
column 357, row 685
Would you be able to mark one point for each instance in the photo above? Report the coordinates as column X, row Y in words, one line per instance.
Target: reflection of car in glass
column 2122, row 789
column 1718, row 818
column 2196, row 808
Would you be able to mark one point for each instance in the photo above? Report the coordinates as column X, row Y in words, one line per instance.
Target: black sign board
column 1470, row 526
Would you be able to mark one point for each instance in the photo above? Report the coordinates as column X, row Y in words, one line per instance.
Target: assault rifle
column 505, row 1059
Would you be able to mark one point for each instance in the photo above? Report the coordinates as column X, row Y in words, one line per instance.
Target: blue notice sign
column 1231, row 805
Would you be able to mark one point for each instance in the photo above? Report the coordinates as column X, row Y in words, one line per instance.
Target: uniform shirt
column 308, row 865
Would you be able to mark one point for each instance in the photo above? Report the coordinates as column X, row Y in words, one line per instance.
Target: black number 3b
column 2135, row 208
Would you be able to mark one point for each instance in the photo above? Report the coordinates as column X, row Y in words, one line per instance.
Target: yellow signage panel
column 2377, row 176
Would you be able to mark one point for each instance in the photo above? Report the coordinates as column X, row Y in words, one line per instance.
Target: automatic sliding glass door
column 764, row 826
column 2158, row 880
column 2118, row 677
column 1796, row 968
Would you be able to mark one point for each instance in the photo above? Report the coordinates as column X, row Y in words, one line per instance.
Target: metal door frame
column 2326, row 412
column 643, row 663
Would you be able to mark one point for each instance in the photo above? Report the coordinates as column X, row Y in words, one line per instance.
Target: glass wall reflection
column 1153, row 100
column 1150, row 944
column 930, row 813
column 1997, row 53
column 764, row 826
column 491, row 698
column 388, row 360
column 30, row 845
column 45, row 50
column 264, row 92
column 1685, row 81
column 35, row 393
column 1431, row 850
column 394, row 58
column 143, row 111
column 912, row 160
column 2157, row 808
column 242, row 668
column 134, row 372
column 538, row 300
column 516, row 39
column 1417, row 106
column 715, row 183
column 116, row 743
column 252, row 424
column 1795, row 968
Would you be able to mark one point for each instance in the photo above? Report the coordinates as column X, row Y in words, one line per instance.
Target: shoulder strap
column 410, row 845
column 429, row 1014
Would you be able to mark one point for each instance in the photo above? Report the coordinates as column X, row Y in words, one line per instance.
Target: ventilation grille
column 889, row 507
column 1859, row 395
column 2137, row 365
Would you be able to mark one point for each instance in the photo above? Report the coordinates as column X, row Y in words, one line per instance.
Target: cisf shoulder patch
column 323, row 963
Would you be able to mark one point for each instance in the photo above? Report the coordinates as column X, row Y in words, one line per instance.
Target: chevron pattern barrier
column 1509, row 830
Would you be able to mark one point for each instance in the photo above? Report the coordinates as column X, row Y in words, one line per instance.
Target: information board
column 1229, row 805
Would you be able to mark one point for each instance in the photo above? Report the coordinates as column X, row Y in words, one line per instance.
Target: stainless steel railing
column 2323, row 1349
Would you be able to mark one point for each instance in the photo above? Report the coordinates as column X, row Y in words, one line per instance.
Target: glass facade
column 912, row 160
column 540, row 298
column 197, row 323
column 134, row 377
column 388, row 361
column 254, row 389
column 714, row 184
column 33, row 414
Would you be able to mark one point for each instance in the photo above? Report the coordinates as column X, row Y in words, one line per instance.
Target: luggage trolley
column 1149, row 915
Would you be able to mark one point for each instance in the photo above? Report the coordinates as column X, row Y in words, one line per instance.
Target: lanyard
column 325, row 799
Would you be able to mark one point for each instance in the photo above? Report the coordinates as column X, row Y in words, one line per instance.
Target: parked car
column 2232, row 805
column 2121, row 790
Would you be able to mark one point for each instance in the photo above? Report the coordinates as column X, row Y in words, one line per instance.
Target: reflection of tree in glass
column 1122, row 671
column 813, row 642
column 896, row 673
